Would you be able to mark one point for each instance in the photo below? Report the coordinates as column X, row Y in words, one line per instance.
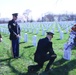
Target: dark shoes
column 30, row 69
column 33, row 68
column 17, row 57
column 49, row 69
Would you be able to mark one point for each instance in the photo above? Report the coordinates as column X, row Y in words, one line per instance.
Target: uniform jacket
column 44, row 47
column 14, row 29
column 0, row 36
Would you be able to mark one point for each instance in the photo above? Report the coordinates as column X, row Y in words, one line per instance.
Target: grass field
column 9, row 66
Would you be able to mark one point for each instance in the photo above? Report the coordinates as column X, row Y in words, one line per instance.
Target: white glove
column 0, row 39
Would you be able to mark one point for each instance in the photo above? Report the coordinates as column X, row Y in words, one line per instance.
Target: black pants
column 41, row 61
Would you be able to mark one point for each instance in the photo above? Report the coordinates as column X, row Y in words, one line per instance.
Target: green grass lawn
column 9, row 66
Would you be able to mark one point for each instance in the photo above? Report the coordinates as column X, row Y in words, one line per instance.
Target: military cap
column 50, row 33
column 15, row 14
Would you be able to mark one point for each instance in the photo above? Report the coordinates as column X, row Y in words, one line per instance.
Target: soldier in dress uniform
column 14, row 30
column 44, row 52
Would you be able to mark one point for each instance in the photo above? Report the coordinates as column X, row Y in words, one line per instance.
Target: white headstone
column 25, row 29
column 34, row 40
column 61, row 35
column 37, row 30
column 67, row 54
column 43, row 32
column 52, row 31
column 67, row 30
column 25, row 37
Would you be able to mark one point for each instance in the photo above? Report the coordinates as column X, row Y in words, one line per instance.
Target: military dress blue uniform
column 14, row 30
column 43, row 53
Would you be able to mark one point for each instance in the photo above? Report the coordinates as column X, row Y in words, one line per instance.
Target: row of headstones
column 52, row 30
column 35, row 29
column 34, row 39
column 65, row 26
column 4, row 30
column 27, row 28
column 60, row 32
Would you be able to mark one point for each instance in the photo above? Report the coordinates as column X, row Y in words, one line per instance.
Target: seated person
column 44, row 52
column 0, row 38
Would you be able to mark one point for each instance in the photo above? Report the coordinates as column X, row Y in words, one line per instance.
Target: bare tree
column 26, row 13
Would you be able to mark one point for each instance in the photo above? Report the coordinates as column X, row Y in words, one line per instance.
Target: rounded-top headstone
column 25, row 37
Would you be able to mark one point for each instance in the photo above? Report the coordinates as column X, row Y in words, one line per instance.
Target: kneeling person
column 44, row 52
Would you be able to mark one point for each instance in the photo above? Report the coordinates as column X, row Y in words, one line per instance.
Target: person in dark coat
column 14, row 30
column 0, row 38
column 44, row 52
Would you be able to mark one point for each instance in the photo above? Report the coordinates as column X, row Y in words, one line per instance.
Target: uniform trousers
column 41, row 60
column 15, row 47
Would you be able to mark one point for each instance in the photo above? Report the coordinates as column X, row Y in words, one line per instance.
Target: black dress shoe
column 33, row 68
column 50, row 69
column 30, row 69
column 17, row 57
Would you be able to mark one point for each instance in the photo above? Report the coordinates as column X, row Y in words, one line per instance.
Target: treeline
column 46, row 18
column 59, row 17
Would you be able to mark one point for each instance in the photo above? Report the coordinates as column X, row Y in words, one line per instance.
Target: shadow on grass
column 74, row 48
column 5, row 35
column 21, row 42
column 12, row 68
column 57, row 39
column 18, row 72
column 62, row 69
column 29, row 46
column 29, row 73
column 60, row 62
column 65, row 33
column 2, row 60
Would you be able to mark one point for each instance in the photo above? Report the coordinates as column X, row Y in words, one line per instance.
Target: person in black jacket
column 14, row 30
column 0, row 38
column 44, row 52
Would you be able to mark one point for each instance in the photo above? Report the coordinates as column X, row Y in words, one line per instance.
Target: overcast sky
column 38, row 7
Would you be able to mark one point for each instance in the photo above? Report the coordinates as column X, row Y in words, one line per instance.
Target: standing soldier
column 14, row 30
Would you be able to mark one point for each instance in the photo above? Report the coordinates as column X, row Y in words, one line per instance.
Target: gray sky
column 38, row 7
